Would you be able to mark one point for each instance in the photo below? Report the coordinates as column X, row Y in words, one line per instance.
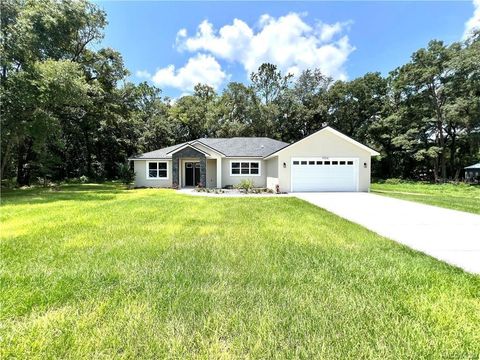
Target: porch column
column 175, row 172
column 219, row 172
column 203, row 171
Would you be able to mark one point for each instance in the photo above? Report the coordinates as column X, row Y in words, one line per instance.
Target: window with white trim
column 157, row 170
column 245, row 168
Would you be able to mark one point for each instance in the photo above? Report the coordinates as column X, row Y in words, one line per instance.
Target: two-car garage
column 326, row 160
column 324, row 174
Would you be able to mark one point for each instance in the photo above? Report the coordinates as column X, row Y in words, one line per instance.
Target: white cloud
column 229, row 44
column 474, row 22
column 328, row 31
column 143, row 74
column 201, row 68
column 182, row 32
column 287, row 41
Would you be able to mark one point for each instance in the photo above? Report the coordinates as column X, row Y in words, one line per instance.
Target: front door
column 192, row 173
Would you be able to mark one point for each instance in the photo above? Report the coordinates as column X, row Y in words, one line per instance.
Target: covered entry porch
column 193, row 167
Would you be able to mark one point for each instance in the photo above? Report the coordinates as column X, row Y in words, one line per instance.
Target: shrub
column 246, row 185
column 393, row 181
column 125, row 173
column 9, row 183
column 83, row 179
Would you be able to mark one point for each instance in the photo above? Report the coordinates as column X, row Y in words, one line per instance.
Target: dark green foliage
column 126, row 173
column 67, row 109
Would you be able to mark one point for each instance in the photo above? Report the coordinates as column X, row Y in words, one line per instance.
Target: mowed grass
column 458, row 197
column 94, row 271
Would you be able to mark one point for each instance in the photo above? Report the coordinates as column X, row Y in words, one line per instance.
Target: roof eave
column 185, row 146
column 149, row 158
column 207, row 146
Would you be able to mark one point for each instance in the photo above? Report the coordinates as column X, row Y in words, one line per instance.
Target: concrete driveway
column 448, row 235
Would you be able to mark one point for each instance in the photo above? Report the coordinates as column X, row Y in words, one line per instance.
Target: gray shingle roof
column 244, row 146
column 231, row 147
column 158, row 154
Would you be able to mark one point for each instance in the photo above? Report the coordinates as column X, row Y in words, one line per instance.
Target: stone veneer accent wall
column 188, row 152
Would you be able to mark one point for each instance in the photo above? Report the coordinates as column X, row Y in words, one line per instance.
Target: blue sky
column 174, row 45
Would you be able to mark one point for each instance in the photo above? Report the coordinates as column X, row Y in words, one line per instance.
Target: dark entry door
column 192, row 173
column 197, row 173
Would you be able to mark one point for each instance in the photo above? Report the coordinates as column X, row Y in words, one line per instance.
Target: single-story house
column 326, row 160
column 472, row 173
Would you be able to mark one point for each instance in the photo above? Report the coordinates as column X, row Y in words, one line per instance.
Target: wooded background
column 68, row 111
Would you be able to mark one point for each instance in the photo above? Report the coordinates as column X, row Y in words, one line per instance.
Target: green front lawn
column 458, row 197
column 94, row 271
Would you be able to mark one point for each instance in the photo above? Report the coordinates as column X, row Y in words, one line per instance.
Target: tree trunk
column 21, row 168
column 441, row 143
column 435, row 170
column 89, row 154
column 440, row 134
column 457, row 175
column 453, row 157
column 5, row 159
column 24, row 157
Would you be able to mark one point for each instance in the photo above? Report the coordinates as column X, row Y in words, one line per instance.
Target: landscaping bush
column 393, row 181
column 125, row 173
column 209, row 190
column 245, row 185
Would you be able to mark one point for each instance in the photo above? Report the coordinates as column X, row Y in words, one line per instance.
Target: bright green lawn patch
column 99, row 272
column 458, row 197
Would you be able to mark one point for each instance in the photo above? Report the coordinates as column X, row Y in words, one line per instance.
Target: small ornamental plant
column 245, row 185
column 126, row 174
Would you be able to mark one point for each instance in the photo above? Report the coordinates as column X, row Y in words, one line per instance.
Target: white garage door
column 324, row 174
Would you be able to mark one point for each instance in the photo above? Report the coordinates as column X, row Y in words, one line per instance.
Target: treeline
column 67, row 110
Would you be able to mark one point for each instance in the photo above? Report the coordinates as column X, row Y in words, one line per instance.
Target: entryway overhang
column 188, row 152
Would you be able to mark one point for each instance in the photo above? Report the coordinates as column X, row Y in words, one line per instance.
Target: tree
column 40, row 43
column 302, row 107
column 68, row 111
column 352, row 106
column 190, row 113
column 269, row 83
column 151, row 118
column 235, row 112
column 438, row 89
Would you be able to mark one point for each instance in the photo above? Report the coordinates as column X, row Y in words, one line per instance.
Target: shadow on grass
column 66, row 192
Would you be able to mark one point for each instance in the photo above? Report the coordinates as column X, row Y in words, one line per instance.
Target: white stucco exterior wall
column 211, row 173
column 140, row 168
column 232, row 180
column 271, row 166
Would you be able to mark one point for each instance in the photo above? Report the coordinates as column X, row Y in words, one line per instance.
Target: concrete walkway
column 448, row 235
